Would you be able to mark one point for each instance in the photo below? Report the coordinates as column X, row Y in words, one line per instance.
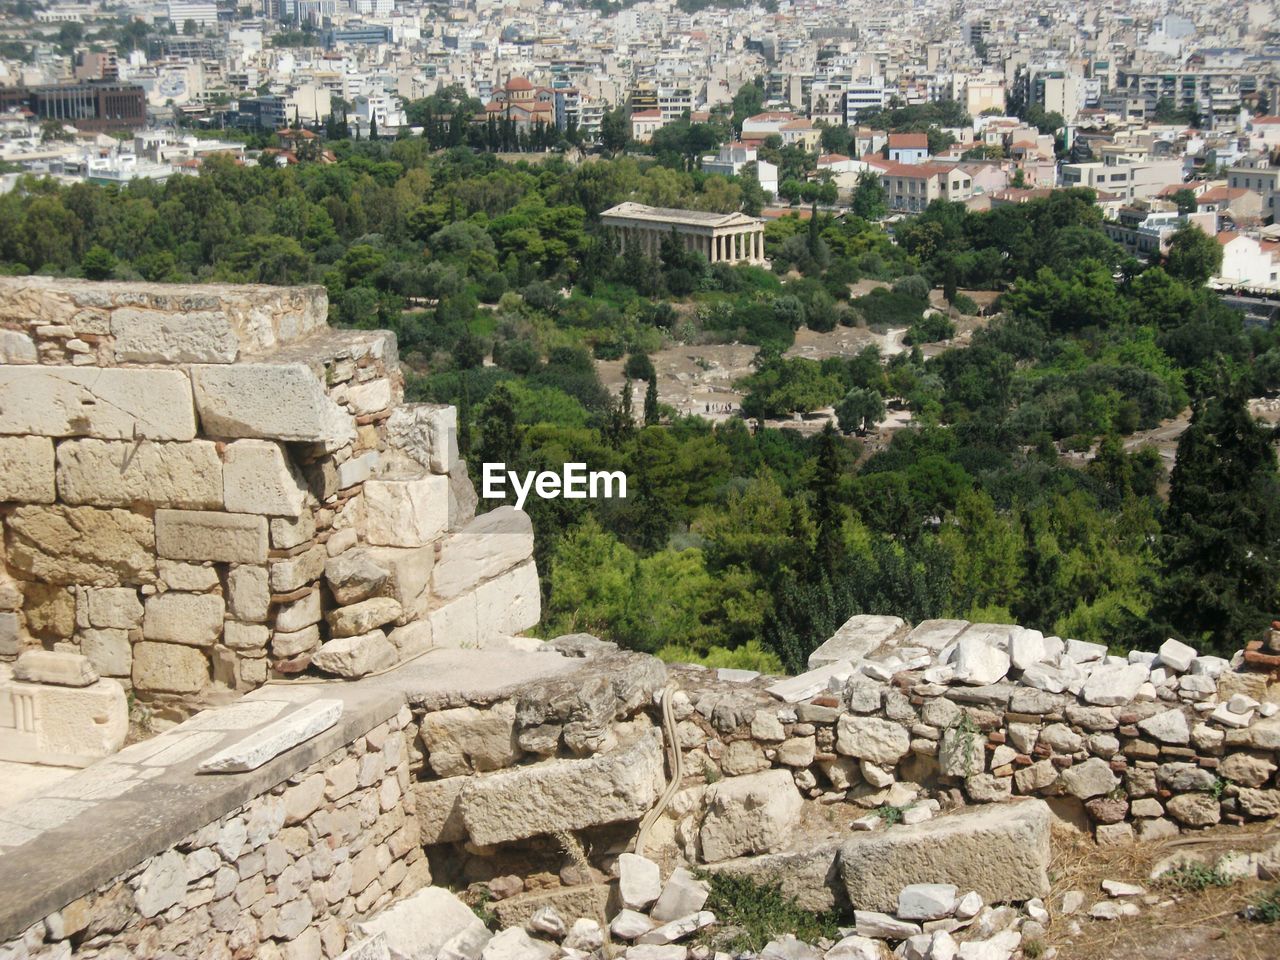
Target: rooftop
column 669, row 215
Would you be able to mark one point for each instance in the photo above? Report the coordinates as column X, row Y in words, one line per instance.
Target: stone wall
column 952, row 713
column 284, row 875
column 205, row 486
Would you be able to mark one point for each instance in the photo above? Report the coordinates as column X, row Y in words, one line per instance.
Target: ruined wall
column 205, row 486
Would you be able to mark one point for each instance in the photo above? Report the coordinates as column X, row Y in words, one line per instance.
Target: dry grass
column 1180, row 924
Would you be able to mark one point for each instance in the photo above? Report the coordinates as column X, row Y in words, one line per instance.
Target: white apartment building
column 203, row 12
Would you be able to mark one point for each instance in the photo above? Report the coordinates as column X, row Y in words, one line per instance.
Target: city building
column 720, row 237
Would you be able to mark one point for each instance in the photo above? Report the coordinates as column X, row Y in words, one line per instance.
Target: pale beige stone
column 81, row 545
column 194, row 619
column 510, row 603
column 355, row 656
column 248, row 593
column 426, row 432
column 245, row 636
column 362, row 617
column 466, row 740
column 289, row 532
column 489, row 545
column 73, row 726
column 291, row 573
column 26, row 469
column 750, row 815
column 169, row 668
column 111, row 404
column 17, row 348
column 258, row 478
column 50, row 611
column 120, row 473
column 299, row 641
column 454, row 624
column 56, row 667
column 406, row 513
column 300, row 613
column 269, row 401
column 153, row 336
column 177, row 575
column 373, row 396
column 208, row 536
column 109, row 650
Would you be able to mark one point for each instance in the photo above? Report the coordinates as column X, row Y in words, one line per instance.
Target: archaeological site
column 270, row 686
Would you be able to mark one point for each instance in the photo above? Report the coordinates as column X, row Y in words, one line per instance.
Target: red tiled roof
column 908, row 141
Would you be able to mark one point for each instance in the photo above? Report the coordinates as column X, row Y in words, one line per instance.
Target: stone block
column 1002, row 852
column 55, row 667
column 871, row 738
column 564, row 794
column 26, row 470
column 420, row 926
column 293, row 573
column 372, row 396
column 17, row 348
column 355, row 656
column 50, row 611
column 296, row 642
column 1114, row 685
column 118, row 473
column 749, row 815
column 193, row 619
column 427, row 433
column 510, row 603
column 275, row 738
column 363, row 616
column 809, row 877
column 110, row 404
column 10, row 633
column 192, row 577
column 467, row 740
column 489, row 545
column 857, row 637
column 439, row 812
column 68, row 726
column 154, row 336
column 290, row 532
column 406, row 513
column 454, row 624
column 245, row 636
column 81, row 545
column 248, row 593
column 169, row 668
column 301, row 613
column 266, row 401
column 201, row 536
column 408, row 575
column 258, row 478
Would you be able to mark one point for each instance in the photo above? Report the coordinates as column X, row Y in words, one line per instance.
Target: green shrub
column 762, row 912
column 892, row 308
column 1193, row 877
column 930, row 329
column 1266, row 909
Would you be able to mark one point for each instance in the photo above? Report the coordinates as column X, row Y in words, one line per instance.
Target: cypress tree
column 651, row 401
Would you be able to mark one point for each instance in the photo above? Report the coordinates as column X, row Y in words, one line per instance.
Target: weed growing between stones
column 1194, row 877
column 1266, row 909
column 757, row 913
column 889, row 814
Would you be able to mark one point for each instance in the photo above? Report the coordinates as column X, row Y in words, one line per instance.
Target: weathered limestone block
column 300, row 613
column 118, row 473
column 81, row 545
column 292, row 573
column 372, row 396
column 454, row 624
column 1002, row 852
column 490, row 544
column 751, row 814
column 153, row 336
column 258, row 478
column 248, row 593
column 857, row 637
column 406, row 513
column 17, row 348
column 564, row 794
column 194, row 619
column 438, row 809
column 55, row 667
column 111, row 404
column 209, row 536
column 462, row 496
column 68, row 726
column 409, row 573
column 510, row 603
column 354, row 575
column 192, row 577
column 466, row 740
column 427, row 433
column 871, row 738
column 245, row 636
column 50, row 611
column 255, row 749
column 280, row 401
column 809, row 877
column 116, row 607
column 292, row 643
column 109, row 650
column 355, row 656
column 363, row 616
column 169, row 668
column 290, row 532
column 26, row 469
column 419, row 927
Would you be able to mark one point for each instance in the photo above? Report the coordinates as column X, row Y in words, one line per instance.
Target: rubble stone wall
column 1143, row 746
column 285, row 875
column 205, row 486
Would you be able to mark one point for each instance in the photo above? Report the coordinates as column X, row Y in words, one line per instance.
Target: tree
column 651, row 403
column 1186, row 200
column 1220, row 550
column 860, row 410
column 1194, row 256
column 499, row 430
column 869, row 199
column 98, row 263
column 615, row 130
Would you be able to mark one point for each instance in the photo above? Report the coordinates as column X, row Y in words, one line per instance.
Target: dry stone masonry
column 202, row 487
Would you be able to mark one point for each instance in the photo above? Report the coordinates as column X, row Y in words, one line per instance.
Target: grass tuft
column 761, row 912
